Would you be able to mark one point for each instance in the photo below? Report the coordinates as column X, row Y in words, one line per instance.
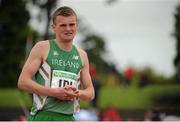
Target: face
column 65, row 27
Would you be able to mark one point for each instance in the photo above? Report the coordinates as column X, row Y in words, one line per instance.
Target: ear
column 53, row 27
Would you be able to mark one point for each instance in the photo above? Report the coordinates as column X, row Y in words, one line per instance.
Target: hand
column 66, row 93
column 72, row 89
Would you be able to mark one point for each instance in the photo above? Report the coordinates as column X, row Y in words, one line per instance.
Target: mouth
column 68, row 34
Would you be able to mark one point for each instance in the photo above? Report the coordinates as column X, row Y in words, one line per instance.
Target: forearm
column 33, row 87
column 87, row 94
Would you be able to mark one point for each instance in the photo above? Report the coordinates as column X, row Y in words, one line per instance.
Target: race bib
column 62, row 78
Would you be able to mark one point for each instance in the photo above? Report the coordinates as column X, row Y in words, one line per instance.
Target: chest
column 65, row 61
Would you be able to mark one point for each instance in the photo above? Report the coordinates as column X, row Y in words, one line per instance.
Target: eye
column 62, row 25
column 72, row 24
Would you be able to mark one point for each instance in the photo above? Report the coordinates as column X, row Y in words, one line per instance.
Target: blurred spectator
column 112, row 69
column 92, row 70
column 110, row 114
column 148, row 115
column 96, row 84
column 86, row 115
column 144, row 78
column 152, row 115
column 128, row 75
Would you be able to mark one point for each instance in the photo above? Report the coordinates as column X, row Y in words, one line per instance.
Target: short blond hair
column 63, row 11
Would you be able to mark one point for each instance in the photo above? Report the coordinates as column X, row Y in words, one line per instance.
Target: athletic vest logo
column 55, row 53
column 75, row 57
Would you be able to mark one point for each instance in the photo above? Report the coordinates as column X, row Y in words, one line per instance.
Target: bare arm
column 87, row 93
column 37, row 56
column 31, row 66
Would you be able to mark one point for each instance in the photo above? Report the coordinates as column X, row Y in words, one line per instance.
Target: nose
column 68, row 27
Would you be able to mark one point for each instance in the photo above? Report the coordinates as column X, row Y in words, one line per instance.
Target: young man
column 58, row 68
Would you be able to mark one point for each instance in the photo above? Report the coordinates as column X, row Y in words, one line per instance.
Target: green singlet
column 60, row 68
column 49, row 116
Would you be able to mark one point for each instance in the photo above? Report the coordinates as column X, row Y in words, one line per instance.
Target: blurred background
column 133, row 48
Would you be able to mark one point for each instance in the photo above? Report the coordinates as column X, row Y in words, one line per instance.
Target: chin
column 68, row 40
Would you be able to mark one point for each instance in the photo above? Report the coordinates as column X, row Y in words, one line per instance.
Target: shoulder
column 41, row 49
column 84, row 56
column 81, row 51
column 42, row 44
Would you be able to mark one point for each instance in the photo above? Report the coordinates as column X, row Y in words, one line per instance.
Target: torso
column 64, row 69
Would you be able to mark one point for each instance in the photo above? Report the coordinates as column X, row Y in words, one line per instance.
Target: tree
column 46, row 7
column 13, row 32
column 177, row 36
column 94, row 45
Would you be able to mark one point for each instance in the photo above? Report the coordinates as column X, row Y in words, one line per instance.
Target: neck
column 64, row 45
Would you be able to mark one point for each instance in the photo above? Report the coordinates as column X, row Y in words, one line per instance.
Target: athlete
column 54, row 71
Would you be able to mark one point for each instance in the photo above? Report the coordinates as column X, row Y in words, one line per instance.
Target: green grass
column 14, row 98
column 123, row 98
column 131, row 97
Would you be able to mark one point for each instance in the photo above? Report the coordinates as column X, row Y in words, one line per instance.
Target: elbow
column 20, row 84
column 87, row 96
column 92, row 96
